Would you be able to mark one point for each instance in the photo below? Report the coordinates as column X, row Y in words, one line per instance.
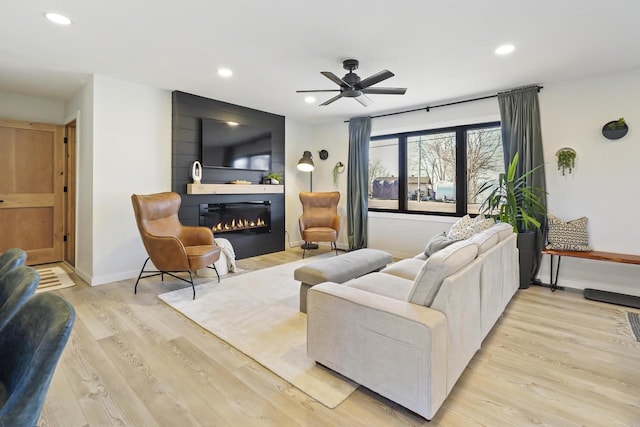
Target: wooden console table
column 596, row 294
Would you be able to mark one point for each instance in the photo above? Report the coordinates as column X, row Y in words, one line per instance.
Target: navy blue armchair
column 10, row 259
column 16, row 287
column 30, row 346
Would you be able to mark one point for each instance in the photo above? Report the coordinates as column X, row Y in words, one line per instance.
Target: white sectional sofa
column 408, row 331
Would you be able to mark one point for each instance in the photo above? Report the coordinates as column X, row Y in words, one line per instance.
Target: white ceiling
column 441, row 50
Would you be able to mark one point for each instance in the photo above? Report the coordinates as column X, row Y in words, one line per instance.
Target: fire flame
column 238, row 224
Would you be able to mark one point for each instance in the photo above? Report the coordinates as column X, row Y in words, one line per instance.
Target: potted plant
column 615, row 129
column 566, row 159
column 513, row 201
column 273, row 178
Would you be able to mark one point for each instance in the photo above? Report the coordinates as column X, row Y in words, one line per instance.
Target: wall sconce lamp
column 305, row 164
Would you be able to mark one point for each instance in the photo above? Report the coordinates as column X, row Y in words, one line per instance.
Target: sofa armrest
column 393, row 347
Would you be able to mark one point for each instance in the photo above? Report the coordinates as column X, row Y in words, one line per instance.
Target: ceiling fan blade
column 319, row 90
column 364, row 100
column 337, row 80
column 376, row 78
column 385, row 90
column 335, row 98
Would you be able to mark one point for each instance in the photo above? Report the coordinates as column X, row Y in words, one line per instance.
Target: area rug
column 634, row 322
column 53, row 278
column 257, row 313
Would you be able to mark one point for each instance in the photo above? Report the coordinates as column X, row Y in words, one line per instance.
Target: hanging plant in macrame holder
column 566, row 159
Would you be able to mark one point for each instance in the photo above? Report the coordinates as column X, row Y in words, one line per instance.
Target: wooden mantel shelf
column 234, row 189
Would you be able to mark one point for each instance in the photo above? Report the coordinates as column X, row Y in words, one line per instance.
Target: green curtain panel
column 521, row 132
column 358, row 164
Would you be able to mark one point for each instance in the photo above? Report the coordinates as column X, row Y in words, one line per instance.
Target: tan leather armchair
column 319, row 221
column 171, row 246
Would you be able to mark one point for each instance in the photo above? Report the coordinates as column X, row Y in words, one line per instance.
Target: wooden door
column 31, row 189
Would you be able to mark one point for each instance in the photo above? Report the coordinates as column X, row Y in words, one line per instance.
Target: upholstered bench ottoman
column 339, row 269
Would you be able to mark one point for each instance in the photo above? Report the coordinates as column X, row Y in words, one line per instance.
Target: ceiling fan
column 351, row 86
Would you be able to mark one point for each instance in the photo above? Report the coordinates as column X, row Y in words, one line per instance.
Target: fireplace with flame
column 246, row 217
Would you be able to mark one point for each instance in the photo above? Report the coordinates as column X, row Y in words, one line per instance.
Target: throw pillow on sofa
column 568, row 236
column 467, row 227
column 438, row 242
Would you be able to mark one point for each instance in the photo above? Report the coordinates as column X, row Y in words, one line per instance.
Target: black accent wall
column 187, row 114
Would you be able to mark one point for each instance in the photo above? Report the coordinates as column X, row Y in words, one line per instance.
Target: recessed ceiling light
column 225, row 72
column 505, row 49
column 58, row 19
column 309, row 99
column 232, row 123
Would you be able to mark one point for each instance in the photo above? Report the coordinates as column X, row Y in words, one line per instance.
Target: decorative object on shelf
column 196, row 172
column 566, row 159
column 337, row 170
column 305, row 164
column 272, row 178
column 324, row 154
column 615, row 129
column 241, row 182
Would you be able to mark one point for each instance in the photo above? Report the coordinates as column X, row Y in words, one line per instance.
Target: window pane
column 383, row 174
column 431, row 170
column 485, row 162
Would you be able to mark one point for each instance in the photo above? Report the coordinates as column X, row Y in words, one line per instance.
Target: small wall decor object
column 196, row 172
column 615, row 129
column 566, row 158
column 324, row 154
column 337, row 170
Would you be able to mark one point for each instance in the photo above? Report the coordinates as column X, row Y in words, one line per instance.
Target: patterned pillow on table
column 568, row 236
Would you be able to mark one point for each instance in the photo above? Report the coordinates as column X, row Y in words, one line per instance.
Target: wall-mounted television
column 235, row 146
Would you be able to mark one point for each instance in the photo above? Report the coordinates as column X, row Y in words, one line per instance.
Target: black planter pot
column 527, row 253
column 613, row 130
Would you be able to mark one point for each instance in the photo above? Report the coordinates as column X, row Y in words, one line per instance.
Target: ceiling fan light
column 309, row 99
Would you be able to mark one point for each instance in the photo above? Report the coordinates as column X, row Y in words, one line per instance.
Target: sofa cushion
column 406, row 268
column 485, row 240
column 438, row 242
column 383, row 284
column 504, row 230
column 439, row 266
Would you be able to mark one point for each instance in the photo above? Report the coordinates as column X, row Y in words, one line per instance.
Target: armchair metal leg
column 192, row 286
column 334, row 247
column 213, row 266
column 170, row 273
column 135, row 289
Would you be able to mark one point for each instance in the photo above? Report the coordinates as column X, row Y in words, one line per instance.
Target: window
column 436, row 171
column 383, row 173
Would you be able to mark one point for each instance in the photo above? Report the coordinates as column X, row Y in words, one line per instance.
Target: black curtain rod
column 429, row 107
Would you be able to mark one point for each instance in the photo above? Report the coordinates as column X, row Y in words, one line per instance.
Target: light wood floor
column 553, row 359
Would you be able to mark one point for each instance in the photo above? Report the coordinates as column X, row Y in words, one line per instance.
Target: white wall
column 602, row 186
column 124, row 148
column 31, row 108
column 81, row 107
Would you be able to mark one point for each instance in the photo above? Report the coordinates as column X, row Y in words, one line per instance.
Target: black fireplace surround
column 188, row 112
